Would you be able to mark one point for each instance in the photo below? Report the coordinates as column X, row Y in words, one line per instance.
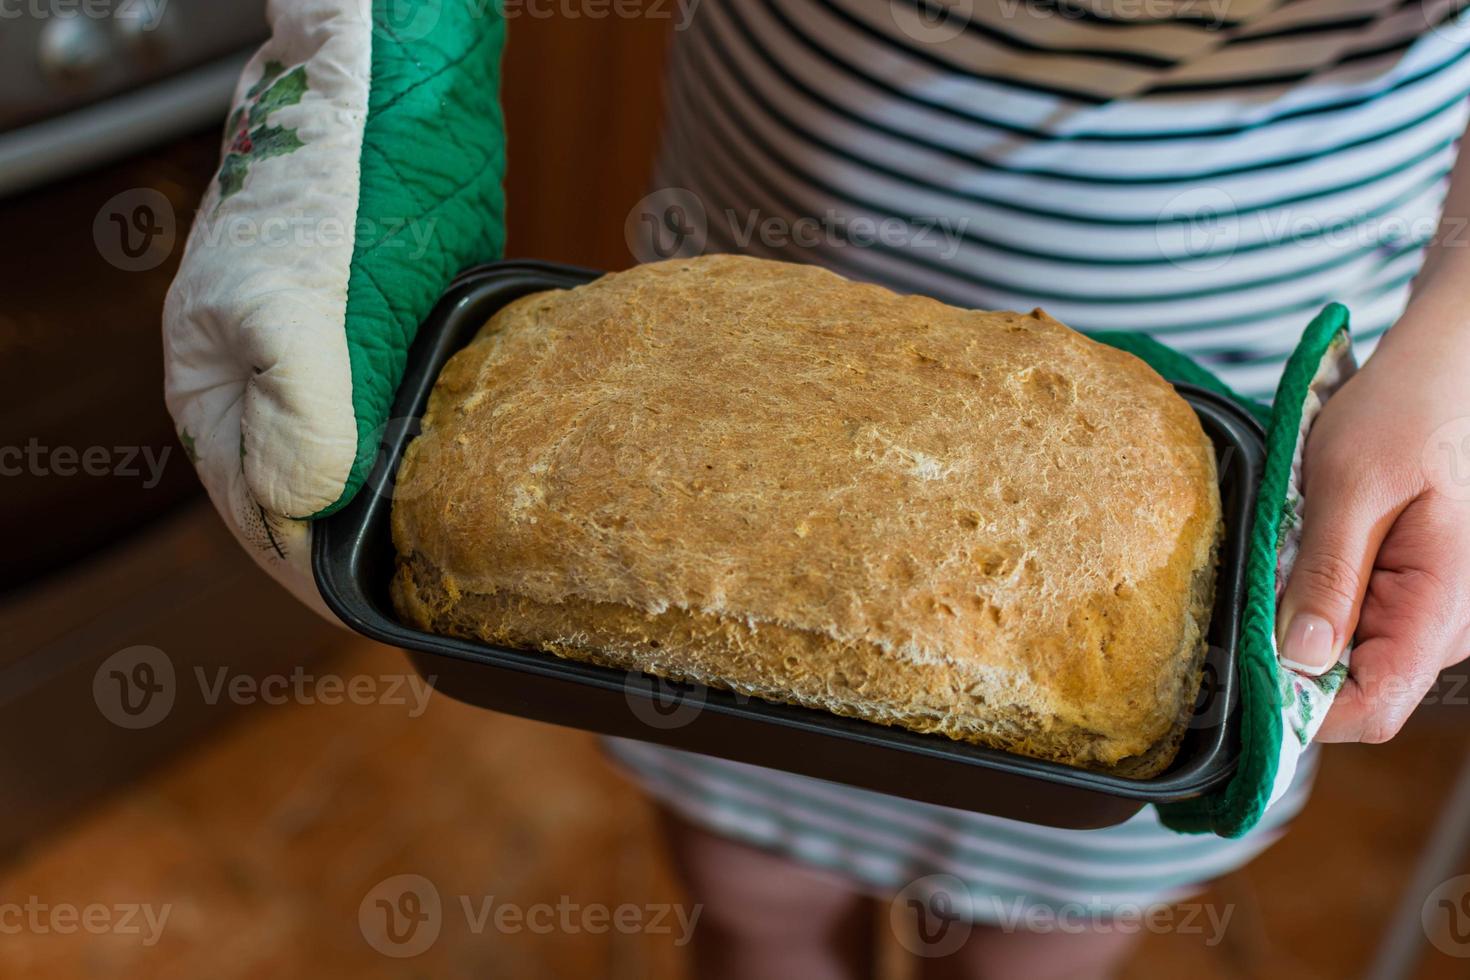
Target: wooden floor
column 264, row 844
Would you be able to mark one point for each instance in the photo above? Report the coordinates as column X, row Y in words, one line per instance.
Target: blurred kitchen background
column 263, row 826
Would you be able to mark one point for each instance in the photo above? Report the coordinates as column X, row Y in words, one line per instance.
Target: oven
column 110, row 120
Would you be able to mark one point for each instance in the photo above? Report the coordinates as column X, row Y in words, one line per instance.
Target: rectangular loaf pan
column 353, row 560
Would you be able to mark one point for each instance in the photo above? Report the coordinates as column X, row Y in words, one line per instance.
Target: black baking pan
column 353, row 560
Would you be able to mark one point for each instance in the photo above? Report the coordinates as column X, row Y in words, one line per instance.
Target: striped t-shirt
column 1210, row 171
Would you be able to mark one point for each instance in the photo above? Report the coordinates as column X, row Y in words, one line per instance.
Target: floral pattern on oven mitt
column 361, row 170
column 1281, row 709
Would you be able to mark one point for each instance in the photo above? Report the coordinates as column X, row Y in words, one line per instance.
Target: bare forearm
column 1438, row 314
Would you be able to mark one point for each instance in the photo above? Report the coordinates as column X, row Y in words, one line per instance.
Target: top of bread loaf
column 773, row 444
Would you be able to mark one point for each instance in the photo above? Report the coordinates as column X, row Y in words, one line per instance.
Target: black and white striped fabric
column 1295, row 155
column 1210, row 171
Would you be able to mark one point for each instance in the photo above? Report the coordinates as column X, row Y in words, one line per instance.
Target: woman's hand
column 1385, row 552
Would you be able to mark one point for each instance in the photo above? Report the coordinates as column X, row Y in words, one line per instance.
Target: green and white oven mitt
column 361, row 170
column 1281, row 709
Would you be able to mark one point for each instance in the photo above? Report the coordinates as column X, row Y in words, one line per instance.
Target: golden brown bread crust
column 764, row 477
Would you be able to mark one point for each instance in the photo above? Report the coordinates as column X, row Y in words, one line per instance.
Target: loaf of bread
column 766, row 478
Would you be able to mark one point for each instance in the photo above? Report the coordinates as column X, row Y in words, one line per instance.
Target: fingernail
column 1308, row 645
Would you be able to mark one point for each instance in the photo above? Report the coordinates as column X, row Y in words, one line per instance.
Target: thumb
column 1343, row 525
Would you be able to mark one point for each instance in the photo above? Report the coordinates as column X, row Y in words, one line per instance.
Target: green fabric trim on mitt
column 431, row 199
column 1235, row 809
column 1238, row 806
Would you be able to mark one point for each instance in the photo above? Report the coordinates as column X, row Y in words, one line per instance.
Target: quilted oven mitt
column 1281, row 709
column 361, row 169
